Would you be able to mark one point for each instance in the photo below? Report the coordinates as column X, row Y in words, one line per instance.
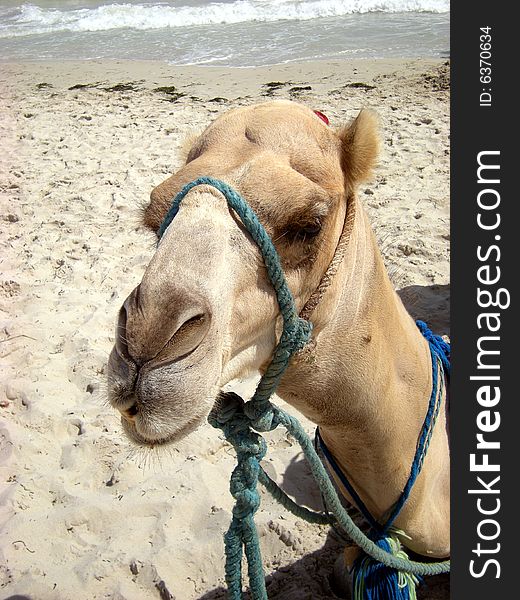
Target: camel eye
column 305, row 233
column 312, row 229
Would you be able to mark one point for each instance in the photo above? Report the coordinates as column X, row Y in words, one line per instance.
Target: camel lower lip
column 141, row 441
column 136, row 437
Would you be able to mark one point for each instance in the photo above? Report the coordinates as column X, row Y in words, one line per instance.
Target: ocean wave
column 31, row 19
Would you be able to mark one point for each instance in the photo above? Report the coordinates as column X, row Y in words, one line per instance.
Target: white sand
column 79, row 517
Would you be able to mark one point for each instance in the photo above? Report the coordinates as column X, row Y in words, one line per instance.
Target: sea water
column 234, row 33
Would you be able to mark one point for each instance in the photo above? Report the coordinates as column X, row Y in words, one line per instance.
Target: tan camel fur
column 205, row 313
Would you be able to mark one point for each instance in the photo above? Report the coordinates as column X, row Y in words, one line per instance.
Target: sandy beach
column 82, row 515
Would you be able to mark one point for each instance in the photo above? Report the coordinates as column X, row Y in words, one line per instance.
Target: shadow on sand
column 299, row 483
column 305, row 579
column 430, row 303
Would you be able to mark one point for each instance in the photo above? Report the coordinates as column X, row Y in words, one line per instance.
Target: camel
column 205, row 314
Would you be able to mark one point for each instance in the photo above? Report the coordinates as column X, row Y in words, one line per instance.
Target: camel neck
column 366, row 379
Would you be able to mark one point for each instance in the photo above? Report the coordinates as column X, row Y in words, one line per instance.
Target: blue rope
column 238, row 419
column 230, row 417
column 438, row 346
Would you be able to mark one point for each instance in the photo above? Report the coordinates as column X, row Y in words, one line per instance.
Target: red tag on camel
column 321, row 116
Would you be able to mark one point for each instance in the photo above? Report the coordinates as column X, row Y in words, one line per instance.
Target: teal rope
column 236, row 415
column 301, row 512
column 296, row 331
column 343, row 518
column 238, row 419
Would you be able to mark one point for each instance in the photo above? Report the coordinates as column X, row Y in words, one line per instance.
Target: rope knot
column 247, row 503
column 228, row 408
column 261, row 415
column 439, row 346
column 247, row 444
column 295, row 335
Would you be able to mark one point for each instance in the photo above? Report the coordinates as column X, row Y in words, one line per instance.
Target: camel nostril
column 187, row 337
column 155, row 329
column 129, row 413
column 196, row 320
column 121, row 340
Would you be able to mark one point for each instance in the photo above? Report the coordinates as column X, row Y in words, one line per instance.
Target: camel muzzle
column 136, row 366
column 166, row 363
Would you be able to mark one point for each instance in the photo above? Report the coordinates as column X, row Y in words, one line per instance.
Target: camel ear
column 152, row 213
column 187, row 144
column 359, row 147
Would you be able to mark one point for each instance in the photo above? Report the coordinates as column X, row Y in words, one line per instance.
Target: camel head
column 205, row 312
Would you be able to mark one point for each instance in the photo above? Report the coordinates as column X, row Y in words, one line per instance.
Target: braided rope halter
column 384, row 569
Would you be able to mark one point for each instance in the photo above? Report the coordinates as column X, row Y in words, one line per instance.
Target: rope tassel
column 372, row 580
